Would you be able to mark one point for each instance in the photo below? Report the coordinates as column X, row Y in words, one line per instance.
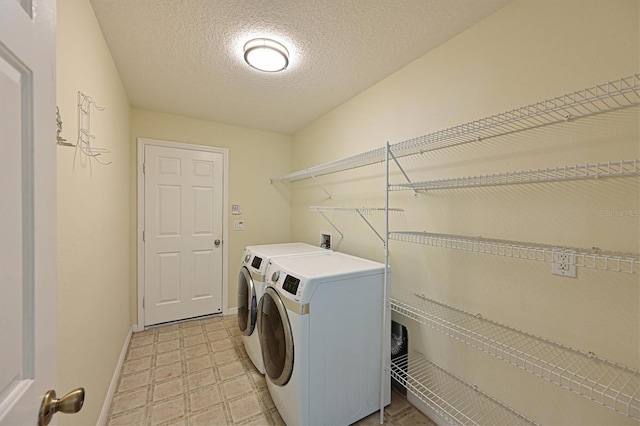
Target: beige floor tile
column 244, row 408
column 167, row 371
column 221, row 345
column 123, row 402
column 226, row 356
column 168, row 345
column 194, row 339
column 163, row 337
column 230, row 370
column 260, row 420
column 168, row 389
column 195, row 351
column 201, row 379
column 191, row 331
column 147, row 339
column 169, row 411
column 140, row 351
column 168, row 329
column 214, row 326
column 168, row 357
column 236, row 387
column 199, row 363
column 136, row 365
column 134, row 381
column 213, row 417
column 136, row 417
column 214, row 336
column 265, row 397
column 204, row 398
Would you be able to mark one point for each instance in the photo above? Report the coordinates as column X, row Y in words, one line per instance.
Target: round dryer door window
column 247, row 306
column 276, row 339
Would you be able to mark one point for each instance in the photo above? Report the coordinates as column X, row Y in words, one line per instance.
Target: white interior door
column 183, row 190
column 28, row 355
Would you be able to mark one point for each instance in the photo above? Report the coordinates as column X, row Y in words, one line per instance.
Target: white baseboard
column 102, row 420
column 231, row 311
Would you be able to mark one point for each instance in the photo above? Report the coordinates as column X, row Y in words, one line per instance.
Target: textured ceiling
column 185, row 57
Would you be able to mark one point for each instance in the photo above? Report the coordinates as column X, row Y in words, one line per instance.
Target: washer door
column 276, row 339
column 247, row 305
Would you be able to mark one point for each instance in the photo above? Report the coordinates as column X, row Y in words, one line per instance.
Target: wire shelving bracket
column 604, row 382
column 360, row 211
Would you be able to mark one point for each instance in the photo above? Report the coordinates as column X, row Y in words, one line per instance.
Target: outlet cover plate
column 564, row 264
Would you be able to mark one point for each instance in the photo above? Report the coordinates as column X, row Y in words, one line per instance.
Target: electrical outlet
column 238, row 225
column 564, row 264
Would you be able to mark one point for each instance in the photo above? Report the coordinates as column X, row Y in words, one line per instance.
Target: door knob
column 70, row 403
column 217, row 243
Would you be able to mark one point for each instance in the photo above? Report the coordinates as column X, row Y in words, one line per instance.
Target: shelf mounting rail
column 604, row 382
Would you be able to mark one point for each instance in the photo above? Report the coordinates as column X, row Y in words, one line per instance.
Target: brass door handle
column 70, row 403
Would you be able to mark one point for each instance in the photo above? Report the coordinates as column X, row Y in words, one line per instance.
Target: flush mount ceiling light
column 266, row 55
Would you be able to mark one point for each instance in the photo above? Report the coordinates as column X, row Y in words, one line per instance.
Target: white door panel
column 183, row 218
column 28, row 354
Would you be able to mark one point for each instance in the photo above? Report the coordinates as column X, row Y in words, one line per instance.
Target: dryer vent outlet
column 325, row 241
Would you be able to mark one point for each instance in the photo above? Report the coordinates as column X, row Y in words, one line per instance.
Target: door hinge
column 143, row 303
column 144, row 168
column 144, row 235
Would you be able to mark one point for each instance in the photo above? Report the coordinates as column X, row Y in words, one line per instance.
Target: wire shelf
column 587, row 258
column 363, row 210
column 585, row 171
column 457, row 401
column 610, row 96
column 604, row 382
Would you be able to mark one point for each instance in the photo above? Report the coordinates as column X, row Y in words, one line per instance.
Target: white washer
column 320, row 325
column 251, row 284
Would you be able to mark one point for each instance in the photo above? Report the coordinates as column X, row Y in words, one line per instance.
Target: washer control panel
column 291, row 284
column 288, row 283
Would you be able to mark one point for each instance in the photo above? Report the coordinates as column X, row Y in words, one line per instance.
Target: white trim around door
column 142, row 143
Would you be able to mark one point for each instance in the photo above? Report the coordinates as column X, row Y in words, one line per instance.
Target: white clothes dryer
column 322, row 338
column 251, row 284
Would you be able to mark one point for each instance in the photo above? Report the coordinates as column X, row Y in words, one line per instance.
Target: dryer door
column 276, row 339
column 247, row 305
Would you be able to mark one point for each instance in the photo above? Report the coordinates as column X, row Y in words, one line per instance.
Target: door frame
column 142, row 143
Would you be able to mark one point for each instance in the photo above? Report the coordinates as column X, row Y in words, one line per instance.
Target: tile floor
column 198, row 373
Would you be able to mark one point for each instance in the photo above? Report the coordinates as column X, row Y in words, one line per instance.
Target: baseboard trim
column 104, row 414
column 231, row 311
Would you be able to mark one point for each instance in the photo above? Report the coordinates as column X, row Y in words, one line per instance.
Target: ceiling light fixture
column 266, row 55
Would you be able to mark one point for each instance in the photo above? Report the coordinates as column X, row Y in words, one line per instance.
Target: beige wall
column 254, row 157
column 93, row 214
column 526, row 52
